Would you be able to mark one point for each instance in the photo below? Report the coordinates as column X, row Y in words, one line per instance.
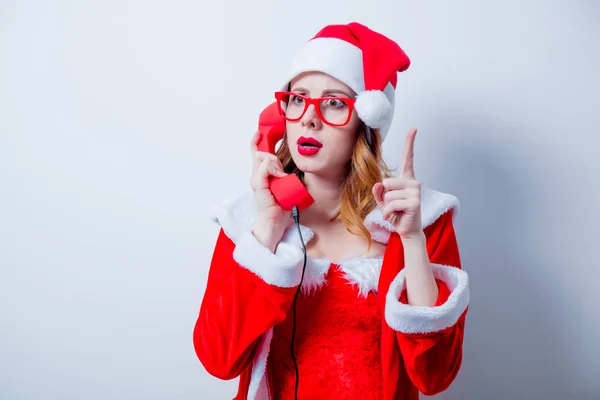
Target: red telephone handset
column 288, row 190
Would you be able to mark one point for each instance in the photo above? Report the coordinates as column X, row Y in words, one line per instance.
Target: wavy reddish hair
column 365, row 168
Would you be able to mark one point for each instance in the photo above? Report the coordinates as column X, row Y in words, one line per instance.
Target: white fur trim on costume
column 373, row 108
column 282, row 268
column 257, row 389
column 416, row 319
column 236, row 215
column 433, row 205
column 315, row 274
column 363, row 272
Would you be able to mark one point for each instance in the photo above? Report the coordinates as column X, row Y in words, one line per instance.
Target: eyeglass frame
column 315, row 101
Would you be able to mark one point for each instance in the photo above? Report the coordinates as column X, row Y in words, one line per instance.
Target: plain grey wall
column 123, row 122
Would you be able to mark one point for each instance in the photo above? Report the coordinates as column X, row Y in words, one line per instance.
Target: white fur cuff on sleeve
column 416, row 319
column 283, row 269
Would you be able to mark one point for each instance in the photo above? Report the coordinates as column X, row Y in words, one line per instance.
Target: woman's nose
column 311, row 118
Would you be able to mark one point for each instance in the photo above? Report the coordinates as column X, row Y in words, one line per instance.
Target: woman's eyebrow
column 325, row 93
column 333, row 91
column 299, row 89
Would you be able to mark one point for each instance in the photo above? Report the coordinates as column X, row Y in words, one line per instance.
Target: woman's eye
column 335, row 103
column 297, row 99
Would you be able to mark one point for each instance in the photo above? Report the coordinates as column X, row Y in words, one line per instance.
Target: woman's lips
column 308, row 146
column 308, row 151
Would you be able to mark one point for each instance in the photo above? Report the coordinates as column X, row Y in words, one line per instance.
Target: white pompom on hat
column 363, row 59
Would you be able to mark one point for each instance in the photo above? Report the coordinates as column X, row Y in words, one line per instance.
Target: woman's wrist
column 420, row 281
column 415, row 251
column 268, row 233
column 416, row 240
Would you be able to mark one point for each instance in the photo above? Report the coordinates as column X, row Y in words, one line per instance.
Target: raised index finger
column 407, row 168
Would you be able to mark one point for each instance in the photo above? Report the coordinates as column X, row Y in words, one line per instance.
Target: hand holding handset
column 288, row 190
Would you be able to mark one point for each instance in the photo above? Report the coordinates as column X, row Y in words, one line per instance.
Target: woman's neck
column 326, row 191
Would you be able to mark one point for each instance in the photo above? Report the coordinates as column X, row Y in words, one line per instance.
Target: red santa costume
column 356, row 335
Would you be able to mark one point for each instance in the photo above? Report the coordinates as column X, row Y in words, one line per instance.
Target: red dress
column 357, row 336
column 337, row 344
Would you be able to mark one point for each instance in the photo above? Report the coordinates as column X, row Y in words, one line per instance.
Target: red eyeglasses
column 334, row 111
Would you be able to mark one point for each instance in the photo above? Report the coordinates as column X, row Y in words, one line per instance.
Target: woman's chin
column 315, row 164
column 307, row 166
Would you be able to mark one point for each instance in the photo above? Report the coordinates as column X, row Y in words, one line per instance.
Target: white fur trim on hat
column 343, row 61
column 331, row 56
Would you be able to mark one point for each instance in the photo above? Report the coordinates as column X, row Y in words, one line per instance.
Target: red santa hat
column 363, row 59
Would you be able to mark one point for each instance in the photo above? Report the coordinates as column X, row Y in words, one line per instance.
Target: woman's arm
column 421, row 285
column 249, row 290
column 430, row 338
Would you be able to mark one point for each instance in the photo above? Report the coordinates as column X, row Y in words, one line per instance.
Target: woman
column 382, row 299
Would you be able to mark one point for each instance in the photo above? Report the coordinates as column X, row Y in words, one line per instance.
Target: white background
column 123, row 122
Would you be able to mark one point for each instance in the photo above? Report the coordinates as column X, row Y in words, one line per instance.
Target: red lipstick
column 308, row 146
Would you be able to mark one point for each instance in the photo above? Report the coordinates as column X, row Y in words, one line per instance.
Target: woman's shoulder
column 235, row 213
column 435, row 203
